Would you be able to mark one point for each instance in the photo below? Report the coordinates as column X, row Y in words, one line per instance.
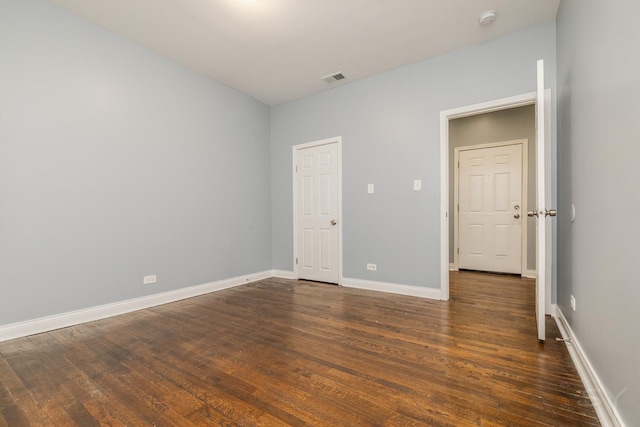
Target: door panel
column 325, row 194
column 476, row 193
column 307, row 248
column 502, row 195
column 476, row 244
column 501, row 233
column 307, row 195
column 317, row 213
column 490, row 193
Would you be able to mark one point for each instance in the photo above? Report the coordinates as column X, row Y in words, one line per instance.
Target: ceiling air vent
column 331, row 78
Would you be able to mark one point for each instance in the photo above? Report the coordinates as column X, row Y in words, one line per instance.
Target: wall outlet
column 573, row 303
column 417, row 184
column 149, row 280
column 372, row 267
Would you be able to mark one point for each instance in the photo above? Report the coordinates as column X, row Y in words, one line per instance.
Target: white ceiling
column 277, row 50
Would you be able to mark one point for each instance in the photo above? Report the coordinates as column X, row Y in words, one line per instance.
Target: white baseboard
column 529, row 274
column 394, row 288
column 554, row 310
column 605, row 409
column 283, row 274
column 452, row 267
column 63, row 320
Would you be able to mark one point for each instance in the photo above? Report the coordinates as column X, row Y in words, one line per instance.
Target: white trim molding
column 283, row 274
column 605, row 408
column 529, row 274
column 63, row 320
column 392, row 288
column 453, row 266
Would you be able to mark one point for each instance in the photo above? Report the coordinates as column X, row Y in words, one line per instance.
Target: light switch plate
column 417, row 184
column 370, row 188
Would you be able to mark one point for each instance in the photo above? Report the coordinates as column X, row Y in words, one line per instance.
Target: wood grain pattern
column 283, row 352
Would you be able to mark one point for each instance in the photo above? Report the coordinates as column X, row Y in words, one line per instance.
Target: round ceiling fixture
column 487, row 18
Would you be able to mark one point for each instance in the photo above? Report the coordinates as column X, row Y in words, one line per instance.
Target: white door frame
column 523, row 203
column 294, row 151
column 445, row 117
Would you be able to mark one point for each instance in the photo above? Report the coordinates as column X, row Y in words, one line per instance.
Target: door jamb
column 523, row 203
column 294, row 150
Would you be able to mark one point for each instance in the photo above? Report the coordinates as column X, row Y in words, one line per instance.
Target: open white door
column 543, row 264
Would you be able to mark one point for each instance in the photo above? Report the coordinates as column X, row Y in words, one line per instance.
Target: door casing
column 335, row 140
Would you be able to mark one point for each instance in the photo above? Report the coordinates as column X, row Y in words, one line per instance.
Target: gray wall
column 504, row 125
column 115, row 164
column 598, row 158
column 390, row 129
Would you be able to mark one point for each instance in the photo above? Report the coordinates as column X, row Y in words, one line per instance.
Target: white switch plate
column 370, row 188
column 372, row 267
column 573, row 303
column 417, row 184
column 149, row 280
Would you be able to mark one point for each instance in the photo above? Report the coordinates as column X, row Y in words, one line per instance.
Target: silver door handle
column 550, row 212
column 334, row 222
column 532, row 213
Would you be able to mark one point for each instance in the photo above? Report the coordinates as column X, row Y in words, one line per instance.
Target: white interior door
column 317, row 213
column 543, row 254
column 490, row 216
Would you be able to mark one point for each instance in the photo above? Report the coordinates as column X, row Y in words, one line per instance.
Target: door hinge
column 458, row 163
column 296, row 261
column 458, row 207
column 296, row 168
column 458, row 251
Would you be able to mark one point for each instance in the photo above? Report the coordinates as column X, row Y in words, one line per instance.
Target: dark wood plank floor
column 282, row 352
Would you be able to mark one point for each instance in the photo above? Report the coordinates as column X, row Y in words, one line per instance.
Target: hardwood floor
column 283, row 352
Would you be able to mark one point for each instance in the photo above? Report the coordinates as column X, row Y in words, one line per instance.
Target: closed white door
column 490, row 215
column 317, row 213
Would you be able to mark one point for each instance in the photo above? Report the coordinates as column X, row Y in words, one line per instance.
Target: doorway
column 446, row 117
column 317, row 200
column 447, row 170
column 479, row 128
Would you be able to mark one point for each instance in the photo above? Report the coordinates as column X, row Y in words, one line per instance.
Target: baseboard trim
column 529, row 274
column 63, row 320
column 605, row 409
column 283, row 274
column 393, row 288
column 452, row 267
